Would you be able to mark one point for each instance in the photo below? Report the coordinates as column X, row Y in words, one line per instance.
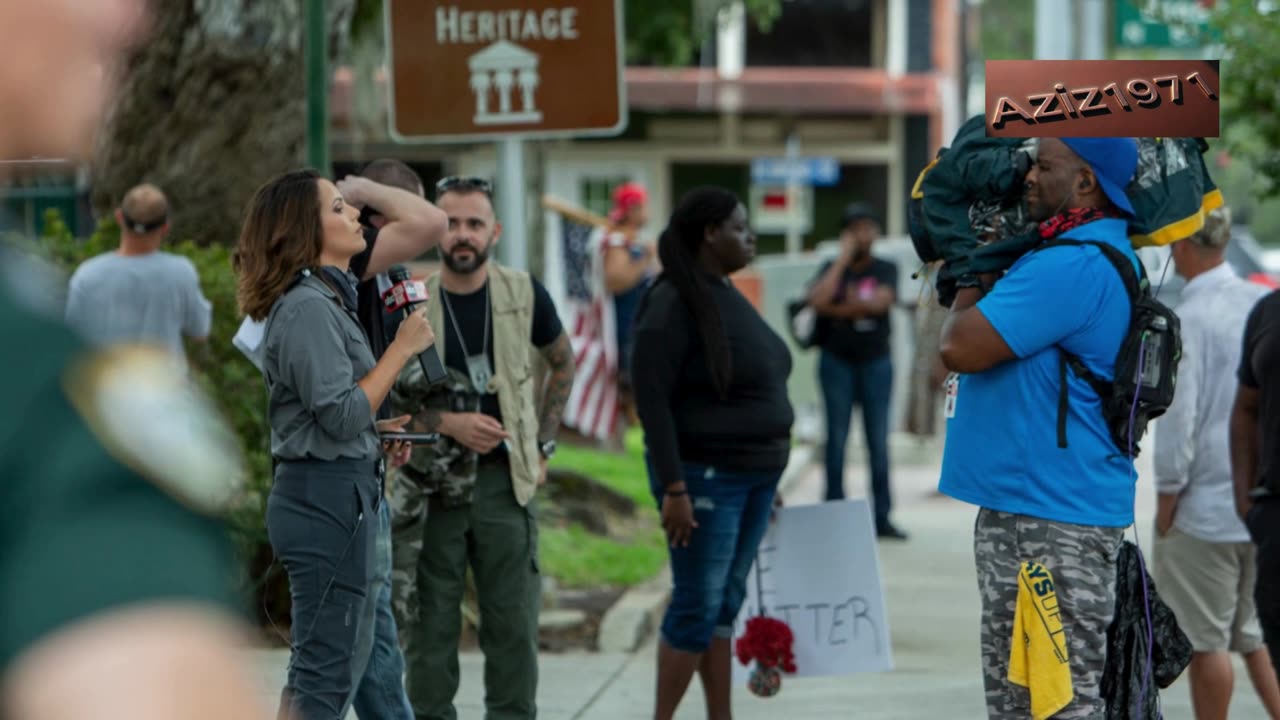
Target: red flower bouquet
column 767, row 641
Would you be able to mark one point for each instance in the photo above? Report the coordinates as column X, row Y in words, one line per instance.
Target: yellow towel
column 1038, row 655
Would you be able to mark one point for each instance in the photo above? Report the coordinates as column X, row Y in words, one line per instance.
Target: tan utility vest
column 515, row 366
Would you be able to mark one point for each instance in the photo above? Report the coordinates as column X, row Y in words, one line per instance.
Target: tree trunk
column 213, row 105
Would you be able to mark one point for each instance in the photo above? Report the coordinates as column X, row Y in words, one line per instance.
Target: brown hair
column 281, row 236
column 397, row 174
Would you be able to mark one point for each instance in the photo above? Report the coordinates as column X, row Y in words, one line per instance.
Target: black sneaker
column 889, row 532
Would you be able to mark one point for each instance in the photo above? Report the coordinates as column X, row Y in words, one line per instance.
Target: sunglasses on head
column 459, row 183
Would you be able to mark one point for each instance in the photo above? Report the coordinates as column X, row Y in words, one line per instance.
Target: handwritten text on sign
column 821, row 575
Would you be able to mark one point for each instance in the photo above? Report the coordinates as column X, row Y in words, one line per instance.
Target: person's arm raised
column 413, row 227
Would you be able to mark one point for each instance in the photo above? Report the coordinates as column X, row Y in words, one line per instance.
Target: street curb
column 629, row 622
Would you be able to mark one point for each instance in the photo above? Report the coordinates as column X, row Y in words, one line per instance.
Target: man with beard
column 1027, row 438
column 853, row 296
column 467, row 500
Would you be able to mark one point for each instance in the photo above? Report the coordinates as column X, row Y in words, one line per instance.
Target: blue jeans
column 869, row 385
column 380, row 693
column 710, row 574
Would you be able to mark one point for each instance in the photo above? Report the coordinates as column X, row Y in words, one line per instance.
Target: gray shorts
column 1082, row 560
column 1209, row 587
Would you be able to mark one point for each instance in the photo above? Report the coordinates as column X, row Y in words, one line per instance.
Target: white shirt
column 1192, row 445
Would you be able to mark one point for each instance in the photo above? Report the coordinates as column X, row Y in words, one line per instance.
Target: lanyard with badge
column 478, row 367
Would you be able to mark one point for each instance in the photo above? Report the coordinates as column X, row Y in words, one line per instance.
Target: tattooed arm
column 559, row 358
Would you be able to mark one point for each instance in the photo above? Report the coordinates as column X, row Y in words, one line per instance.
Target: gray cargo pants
column 1082, row 560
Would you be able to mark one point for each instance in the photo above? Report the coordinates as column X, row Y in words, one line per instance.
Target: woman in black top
column 710, row 381
column 323, row 386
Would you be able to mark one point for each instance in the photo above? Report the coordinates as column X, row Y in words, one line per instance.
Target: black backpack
column 1146, row 370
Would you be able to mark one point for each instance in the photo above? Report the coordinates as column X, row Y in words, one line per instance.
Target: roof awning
column 801, row 90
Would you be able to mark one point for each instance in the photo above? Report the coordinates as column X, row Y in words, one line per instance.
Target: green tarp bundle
column 966, row 206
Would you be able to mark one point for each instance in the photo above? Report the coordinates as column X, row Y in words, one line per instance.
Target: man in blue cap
column 1060, row 504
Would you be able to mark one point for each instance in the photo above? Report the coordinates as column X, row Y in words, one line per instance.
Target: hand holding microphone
column 409, row 298
column 415, row 333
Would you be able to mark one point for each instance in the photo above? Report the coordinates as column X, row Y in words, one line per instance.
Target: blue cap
column 1113, row 161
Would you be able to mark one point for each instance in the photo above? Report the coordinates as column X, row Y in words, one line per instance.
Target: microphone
column 404, row 296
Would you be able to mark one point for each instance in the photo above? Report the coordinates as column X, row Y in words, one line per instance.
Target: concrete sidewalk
column 933, row 612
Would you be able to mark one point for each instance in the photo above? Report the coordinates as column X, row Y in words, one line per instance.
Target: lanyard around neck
column 453, row 318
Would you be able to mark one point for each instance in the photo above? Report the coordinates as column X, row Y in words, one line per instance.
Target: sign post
column 1161, row 23
column 782, row 192
column 505, row 71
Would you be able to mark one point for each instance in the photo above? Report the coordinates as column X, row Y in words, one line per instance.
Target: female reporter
column 323, row 388
column 711, row 390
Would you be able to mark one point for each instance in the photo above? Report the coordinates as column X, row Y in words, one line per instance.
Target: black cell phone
column 417, row 438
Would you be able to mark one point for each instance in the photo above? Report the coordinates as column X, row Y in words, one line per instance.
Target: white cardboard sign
column 820, row 573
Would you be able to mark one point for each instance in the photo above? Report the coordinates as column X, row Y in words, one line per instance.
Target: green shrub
column 228, row 377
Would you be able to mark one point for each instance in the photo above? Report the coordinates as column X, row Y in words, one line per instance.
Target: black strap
column 1100, row 386
column 1135, row 283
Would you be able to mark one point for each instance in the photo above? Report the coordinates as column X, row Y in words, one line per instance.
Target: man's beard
column 466, row 267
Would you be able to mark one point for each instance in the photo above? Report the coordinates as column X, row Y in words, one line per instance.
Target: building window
column 597, row 193
column 824, row 33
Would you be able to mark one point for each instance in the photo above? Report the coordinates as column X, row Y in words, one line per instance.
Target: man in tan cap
column 1203, row 560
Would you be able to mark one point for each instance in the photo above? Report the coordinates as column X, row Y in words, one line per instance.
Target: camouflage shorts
column 1082, row 560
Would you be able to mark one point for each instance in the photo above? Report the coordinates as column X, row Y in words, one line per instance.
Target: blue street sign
column 820, row 171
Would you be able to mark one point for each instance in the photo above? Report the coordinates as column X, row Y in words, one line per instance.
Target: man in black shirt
column 498, row 414
column 399, row 225
column 1255, row 458
column 853, row 296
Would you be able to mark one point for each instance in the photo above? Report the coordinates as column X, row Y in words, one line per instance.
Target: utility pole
column 1093, row 30
column 511, row 194
column 1055, row 29
column 316, row 60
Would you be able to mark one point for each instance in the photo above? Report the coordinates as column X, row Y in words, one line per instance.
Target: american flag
column 593, row 404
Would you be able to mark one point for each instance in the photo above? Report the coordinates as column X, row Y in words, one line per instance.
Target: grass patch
column 624, row 472
column 578, row 558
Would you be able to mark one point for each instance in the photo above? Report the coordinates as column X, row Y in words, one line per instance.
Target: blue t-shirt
column 1002, row 442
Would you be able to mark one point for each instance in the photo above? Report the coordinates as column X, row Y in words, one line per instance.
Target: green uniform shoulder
column 109, row 479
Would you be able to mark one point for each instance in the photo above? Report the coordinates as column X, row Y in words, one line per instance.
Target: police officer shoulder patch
column 148, row 413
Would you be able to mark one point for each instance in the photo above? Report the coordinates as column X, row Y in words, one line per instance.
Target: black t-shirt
column 370, row 310
column 470, row 309
column 866, row 339
column 1260, row 369
column 378, row 324
column 684, row 418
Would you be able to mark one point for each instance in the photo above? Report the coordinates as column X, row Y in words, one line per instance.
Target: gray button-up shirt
column 314, row 352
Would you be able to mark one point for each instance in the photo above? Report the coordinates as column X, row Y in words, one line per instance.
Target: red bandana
column 1073, row 218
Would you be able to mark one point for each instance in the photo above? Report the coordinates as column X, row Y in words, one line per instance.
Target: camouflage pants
column 407, row 501
column 1082, row 560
